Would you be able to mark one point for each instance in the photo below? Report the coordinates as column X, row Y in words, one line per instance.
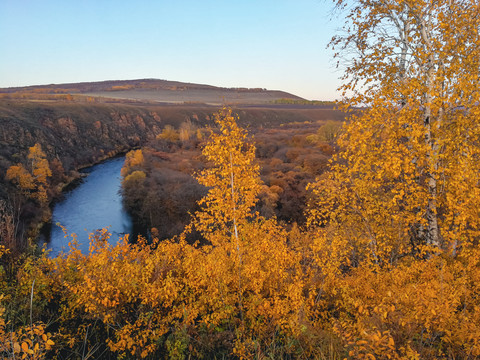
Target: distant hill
column 156, row 91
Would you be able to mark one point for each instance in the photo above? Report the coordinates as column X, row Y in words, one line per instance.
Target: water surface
column 94, row 204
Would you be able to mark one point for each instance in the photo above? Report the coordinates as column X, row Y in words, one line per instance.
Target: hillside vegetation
column 386, row 265
column 75, row 134
column 160, row 192
column 236, row 284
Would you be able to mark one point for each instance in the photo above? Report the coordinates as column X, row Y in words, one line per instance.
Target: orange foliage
column 246, row 279
column 169, row 133
column 28, row 342
column 20, row 175
column 246, row 275
column 132, row 159
column 249, row 289
column 394, row 224
column 33, row 181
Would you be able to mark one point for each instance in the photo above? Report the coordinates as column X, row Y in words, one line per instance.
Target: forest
column 291, row 240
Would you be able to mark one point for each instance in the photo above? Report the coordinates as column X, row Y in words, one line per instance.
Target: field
column 206, row 96
column 153, row 91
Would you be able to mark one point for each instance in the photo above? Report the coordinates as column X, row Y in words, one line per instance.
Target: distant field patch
column 206, row 96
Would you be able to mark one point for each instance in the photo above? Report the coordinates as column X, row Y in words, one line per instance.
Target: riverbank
column 100, row 202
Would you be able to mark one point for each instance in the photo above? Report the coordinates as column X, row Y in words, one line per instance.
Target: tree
column 234, row 178
column 404, row 183
column 34, row 179
column 21, row 176
column 133, row 159
column 409, row 166
column 169, row 133
column 234, row 183
column 244, row 273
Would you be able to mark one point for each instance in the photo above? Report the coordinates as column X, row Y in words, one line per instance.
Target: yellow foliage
column 40, row 167
column 403, row 187
column 246, row 278
column 169, row 133
column 234, row 179
column 21, row 176
column 328, row 131
column 34, row 181
column 407, row 174
column 133, row 159
column 27, row 342
column 135, row 176
column 246, row 275
column 353, row 287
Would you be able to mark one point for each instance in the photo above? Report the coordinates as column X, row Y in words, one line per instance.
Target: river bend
column 94, row 204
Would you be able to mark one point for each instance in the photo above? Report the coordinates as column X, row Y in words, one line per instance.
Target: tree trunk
column 432, row 234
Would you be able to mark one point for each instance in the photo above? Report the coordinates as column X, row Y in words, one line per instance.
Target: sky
column 278, row 45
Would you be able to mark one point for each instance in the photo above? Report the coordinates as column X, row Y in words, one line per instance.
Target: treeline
column 249, row 287
column 288, row 101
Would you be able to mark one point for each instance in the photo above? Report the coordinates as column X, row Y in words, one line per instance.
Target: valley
column 76, row 126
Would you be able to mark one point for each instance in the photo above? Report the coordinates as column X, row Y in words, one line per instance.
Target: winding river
column 94, row 204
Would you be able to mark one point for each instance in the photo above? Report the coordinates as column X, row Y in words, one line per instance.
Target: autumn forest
column 275, row 229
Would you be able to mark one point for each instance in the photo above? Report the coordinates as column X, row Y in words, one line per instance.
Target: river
column 94, row 204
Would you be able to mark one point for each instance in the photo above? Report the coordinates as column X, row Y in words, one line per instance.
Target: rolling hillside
column 155, row 91
column 80, row 124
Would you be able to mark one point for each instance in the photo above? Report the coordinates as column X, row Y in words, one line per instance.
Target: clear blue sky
column 278, row 45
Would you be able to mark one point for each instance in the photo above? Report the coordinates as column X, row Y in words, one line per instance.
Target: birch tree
column 246, row 260
column 408, row 172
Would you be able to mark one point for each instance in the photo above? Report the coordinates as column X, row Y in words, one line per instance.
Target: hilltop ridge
column 156, row 91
